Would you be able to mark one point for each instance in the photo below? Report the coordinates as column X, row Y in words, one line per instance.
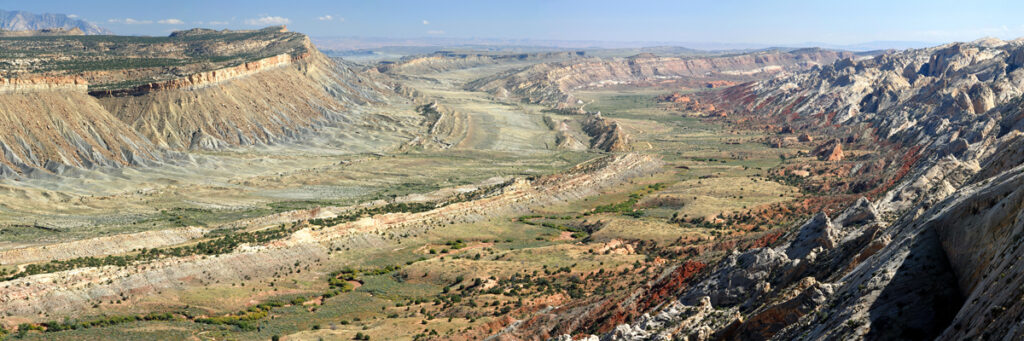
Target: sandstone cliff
column 68, row 101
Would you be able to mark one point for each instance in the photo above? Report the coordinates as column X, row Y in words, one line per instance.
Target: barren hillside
column 119, row 101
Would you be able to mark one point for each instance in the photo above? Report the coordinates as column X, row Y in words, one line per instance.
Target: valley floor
column 465, row 278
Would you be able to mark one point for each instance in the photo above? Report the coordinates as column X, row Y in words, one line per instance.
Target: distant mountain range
column 21, row 21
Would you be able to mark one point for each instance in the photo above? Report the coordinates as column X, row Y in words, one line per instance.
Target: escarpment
column 50, row 123
column 552, row 83
column 117, row 101
column 264, row 101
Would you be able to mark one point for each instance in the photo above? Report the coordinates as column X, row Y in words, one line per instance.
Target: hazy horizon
column 744, row 24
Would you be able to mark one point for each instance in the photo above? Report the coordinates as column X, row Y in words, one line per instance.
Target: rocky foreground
column 936, row 253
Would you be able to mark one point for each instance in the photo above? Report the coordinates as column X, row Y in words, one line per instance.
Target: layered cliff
column 264, row 101
column 552, row 83
column 48, row 123
column 113, row 101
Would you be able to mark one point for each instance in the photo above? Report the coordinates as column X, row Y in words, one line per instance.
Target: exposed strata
column 828, row 151
column 605, row 134
column 564, row 138
column 71, row 292
column 48, row 126
column 935, row 254
column 35, row 84
column 110, row 245
column 552, row 83
column 195, row 101
column 204, row 79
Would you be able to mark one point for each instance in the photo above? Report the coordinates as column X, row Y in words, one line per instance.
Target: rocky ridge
column 934, row 254
column 69, row 292
column 553, row 83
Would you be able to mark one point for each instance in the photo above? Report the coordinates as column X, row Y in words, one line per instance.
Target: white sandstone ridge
column 102, row 246
column 36, row 84
column 207, row 78
column 75, row 291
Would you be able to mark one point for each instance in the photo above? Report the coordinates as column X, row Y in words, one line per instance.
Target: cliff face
column 50, row 123
column 264, row 101
column 936, row 253
column 552, row 83
column 213, row 90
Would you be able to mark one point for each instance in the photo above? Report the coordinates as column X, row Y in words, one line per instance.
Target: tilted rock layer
column 552, row 83
column 937, row 254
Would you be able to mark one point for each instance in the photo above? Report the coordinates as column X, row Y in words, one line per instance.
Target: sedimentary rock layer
column 552, row 83
column 69, row 292
column 207, row 90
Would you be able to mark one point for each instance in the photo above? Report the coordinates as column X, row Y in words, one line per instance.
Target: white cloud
column 435, row 32
column 268, row 21
column 217, row 23
column 325, row 18
column 171, row 22
column 72, row 16
column 129, row 21
column 425, row 22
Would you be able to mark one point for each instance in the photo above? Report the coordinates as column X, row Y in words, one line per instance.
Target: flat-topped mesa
column 34, row 84
column 204, row 79
column 123, row 101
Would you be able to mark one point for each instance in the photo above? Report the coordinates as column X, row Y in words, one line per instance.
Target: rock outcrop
column 936, row 253
column 50, row 123
column 829, row 151
column 605, row 134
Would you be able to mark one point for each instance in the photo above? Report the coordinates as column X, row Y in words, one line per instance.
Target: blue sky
column 761, row 22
